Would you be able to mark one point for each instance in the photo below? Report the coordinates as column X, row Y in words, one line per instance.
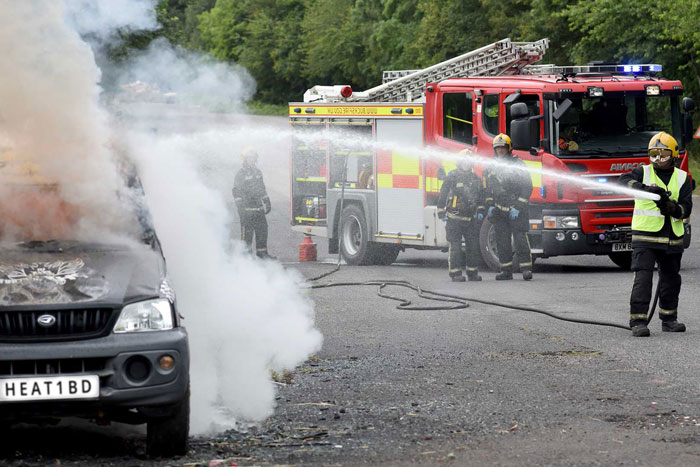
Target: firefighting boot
column 473, row 276
column 505, row 276
column 527, row 275
column 459, row 278
column 672, row 326
column 640, row 330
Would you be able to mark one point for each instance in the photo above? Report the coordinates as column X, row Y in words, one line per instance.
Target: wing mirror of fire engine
column 562, row 109
column 687, row 133
column 688, row 104
column 441, row 173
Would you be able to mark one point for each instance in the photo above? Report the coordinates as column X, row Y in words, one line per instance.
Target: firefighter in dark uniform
column 657, row 233
column 252, row 202
column 508, row 187
column 462, row 200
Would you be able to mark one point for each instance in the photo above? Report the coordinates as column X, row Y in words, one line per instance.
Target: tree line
column 290, row 45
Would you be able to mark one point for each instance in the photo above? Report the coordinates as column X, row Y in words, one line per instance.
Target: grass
column 694, row 168
column 262, row 108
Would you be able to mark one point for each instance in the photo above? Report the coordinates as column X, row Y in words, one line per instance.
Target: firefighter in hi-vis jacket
column 252, row 202
column 657, row 233
column 508, row 187
column 462, row 200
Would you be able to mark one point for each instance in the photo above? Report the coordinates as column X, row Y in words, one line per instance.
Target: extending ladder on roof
column 504, row 57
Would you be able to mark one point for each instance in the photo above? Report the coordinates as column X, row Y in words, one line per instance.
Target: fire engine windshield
column 614, row 125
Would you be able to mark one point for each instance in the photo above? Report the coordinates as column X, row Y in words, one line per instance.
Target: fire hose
column 457, row 301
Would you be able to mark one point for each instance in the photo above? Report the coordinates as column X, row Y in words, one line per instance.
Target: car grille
column 64, row 366
column 69, row 324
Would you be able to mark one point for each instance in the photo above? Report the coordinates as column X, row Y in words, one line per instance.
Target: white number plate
column 50, row 387
column 621, row 247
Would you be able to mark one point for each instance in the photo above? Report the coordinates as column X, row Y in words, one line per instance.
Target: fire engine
column 590, row 121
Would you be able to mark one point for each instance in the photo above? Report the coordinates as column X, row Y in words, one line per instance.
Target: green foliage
column 291, row 45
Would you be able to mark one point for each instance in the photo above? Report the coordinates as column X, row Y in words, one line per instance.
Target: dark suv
column 92, row 330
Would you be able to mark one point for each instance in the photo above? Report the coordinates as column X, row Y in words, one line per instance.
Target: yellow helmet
column 249, row 154
column 502, row 140
column 465, row 162
column 663, row 140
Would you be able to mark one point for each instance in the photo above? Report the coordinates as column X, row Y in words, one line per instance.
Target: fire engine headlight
column 149, row 315
column 595, row 92
column 560, row 222
column 653, row 90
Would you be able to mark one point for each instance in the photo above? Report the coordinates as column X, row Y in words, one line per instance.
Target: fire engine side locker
column 399, row 182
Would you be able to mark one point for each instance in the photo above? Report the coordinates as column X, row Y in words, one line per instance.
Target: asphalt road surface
column 477, row 386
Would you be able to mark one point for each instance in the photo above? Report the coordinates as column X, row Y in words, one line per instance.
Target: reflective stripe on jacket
column 647, row 217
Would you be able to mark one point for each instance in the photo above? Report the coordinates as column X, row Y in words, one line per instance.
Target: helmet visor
column 659, row 154
column 501, row 149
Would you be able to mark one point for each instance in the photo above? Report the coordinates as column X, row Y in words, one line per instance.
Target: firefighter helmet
column 465, row 161
column 502, row 140
column 662, row 143
column 250, row 155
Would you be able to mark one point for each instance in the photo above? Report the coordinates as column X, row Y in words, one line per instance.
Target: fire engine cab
column 591, row 121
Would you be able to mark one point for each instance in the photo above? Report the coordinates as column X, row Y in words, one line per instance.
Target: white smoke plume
column 245, row 317
column 56, row 133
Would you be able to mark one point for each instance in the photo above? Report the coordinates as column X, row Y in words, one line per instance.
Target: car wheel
column 167, row 436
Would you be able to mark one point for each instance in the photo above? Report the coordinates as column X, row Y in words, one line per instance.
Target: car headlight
column 149, row 315
column 560, row 222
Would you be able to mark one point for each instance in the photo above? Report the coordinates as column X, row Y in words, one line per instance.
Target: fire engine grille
column 64, row 366
column 81, row 323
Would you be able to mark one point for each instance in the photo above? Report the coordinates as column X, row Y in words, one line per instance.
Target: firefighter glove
column 513, row 214
column 668, row 207
column 441, row 214
column 268, row 205
column 657, row 190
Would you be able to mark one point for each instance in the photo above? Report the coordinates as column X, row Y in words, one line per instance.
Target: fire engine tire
column 167, row 436
column 622, row 259
column 354, row 244
column 489, row 251
column 487, row 245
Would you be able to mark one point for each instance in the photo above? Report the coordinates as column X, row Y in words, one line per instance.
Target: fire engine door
column 399, row 179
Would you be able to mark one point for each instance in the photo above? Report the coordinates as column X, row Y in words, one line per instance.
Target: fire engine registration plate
column 50, row 387
column 622, row 247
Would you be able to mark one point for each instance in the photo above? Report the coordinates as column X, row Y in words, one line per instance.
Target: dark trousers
column 643, row 260
column 455, row 231
column 507, row 229
column 254, row 223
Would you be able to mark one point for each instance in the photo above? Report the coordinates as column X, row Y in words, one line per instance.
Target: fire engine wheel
column 487, row 245
column 353, row 238
column 489, row 250
column 355, row 245
column 622, row 259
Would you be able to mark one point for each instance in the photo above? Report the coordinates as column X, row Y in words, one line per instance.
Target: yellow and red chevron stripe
column 395, row 170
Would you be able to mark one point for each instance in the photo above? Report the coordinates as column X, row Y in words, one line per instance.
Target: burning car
column 89, row 329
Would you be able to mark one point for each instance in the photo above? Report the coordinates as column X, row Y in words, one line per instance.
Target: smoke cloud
column 245, row 317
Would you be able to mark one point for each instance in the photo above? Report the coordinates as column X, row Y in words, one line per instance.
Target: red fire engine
column 591, row 121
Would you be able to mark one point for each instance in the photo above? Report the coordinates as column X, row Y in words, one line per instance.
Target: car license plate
column 622, row 247
column 49, row 387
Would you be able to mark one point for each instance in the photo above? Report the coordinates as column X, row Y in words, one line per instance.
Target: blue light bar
column 602, row 180
column 647, row 68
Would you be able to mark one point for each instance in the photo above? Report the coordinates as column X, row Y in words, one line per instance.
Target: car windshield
column 613, row 125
